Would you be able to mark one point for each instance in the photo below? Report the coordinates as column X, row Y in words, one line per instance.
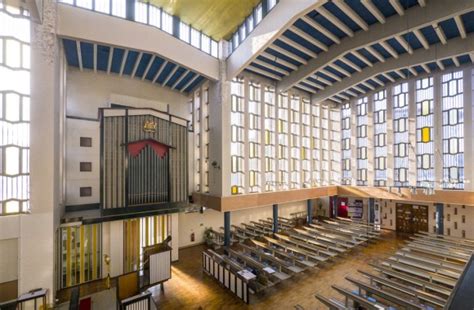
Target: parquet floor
column 191, row 288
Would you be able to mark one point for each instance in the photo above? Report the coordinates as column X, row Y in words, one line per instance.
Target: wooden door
column 411, row 218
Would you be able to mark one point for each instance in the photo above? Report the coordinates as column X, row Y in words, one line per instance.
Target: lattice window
column 346, row 144
column 401, row 140
column 197, row 139
column 380, row 138
column 335, row 139
column 362, row 140
column 205, row 139
column 283, row 139
column 325, row 148
column 237, row 151
column 14, row 110
column 295, row 145
column 453, row 130
column 316, row 144
column 254, row 137
column 306, row 142
column 424, row 132
column 270, row 154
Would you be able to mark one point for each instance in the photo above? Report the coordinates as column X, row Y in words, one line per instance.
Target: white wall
column 8, row 260
column 196, row 222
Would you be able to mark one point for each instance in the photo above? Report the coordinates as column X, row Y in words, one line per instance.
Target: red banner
column 134, row 148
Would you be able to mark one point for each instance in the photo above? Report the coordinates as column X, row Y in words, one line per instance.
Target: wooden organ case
column 143, row 160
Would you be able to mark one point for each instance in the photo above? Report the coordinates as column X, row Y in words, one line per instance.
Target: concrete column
column 438, row 132
column 227, row 229
column 412, row 174
column 353, row 142
column 275, row 218
column 371, row 211
column 309, row 211
column 333, row 206
column 389, row 140
column 468, row 130
column 439, row 218
column 130, row 10
column 370, row 141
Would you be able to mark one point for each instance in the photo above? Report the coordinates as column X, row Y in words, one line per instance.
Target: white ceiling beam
column 148, row 67
column 341, row 95
column 359, row 89
column 404, row 44
column 124, row 59
column 422, row 3
column 298, row 46
column 388, row 77
column 375, row 53
column 415, row 18
column 379, row 80
column 352, row 93
column 336, row 21
column 374, row 11
column 440, row 33
column 330, row 74
column 95, row 57
column 170, row 75
column 440, row 64
column 270, row 66
column 180, row 79
column 321, row 29
column 389, row 49
column 308, row 38
column 323, row 80
column 263, row 72
column 426, row 68
column 412, row 71
column 315, row 85
column 471, row 55
column 421, row 38
column 362, row 58
column 288, row 54
column 137, row 62
column 305, row 88
column 340, row 69
column 456, row 61
column 111, row 55
column 162, row 67
column 79, row 55
column 353, row 15
column 347, row 62
column 191, row 81
column 460, row 25
column 456, row 47
column 335, row 100
column 279, row 60
column 397, row 6
column 401, row 73
column 368, row 85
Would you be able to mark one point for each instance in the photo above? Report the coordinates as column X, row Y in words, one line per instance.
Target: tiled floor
column 191, row 288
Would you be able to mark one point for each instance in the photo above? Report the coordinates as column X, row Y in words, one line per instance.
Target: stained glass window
column 14, row 110
column 316, row 144
column 254, row 137
column 424, row 137
column 380, row 138
column 335, row 140
column 362, row 140
column 270, row 154
column 306, row 142
column 400, row 134
column 453, row 130
column 197, row 139
column 325, row 147
column 283, row 139
column 346, row 144
column 295, row 146
column 237, row 151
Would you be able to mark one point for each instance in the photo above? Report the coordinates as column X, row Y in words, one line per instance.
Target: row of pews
column 420, row 275
column 267, row 258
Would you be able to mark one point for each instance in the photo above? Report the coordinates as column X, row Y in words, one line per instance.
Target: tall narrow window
column 380, row 138
column 270, row 154
column 400, row 135
column 154, row 16
column 362, row 141
column 306, row 142
column 119, row 8
column 197, row 140
column 453, row 130
column 184, row 32
column 325, row 153
column 141, row 12
column 335, row 140
column 237, row 150
column 424, row 132
column 14, row 110
column 316, row 144
column 282, row 128
column 205, row 139
column 167, row 22
column 102, row 6
column 205, row 43
column 295, row 146
column 254, row 137
column 346, row 144
column 195, row 38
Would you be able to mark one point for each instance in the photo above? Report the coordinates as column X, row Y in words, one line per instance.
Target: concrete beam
column 80, row 24
column 415, row 18
column 456, row 47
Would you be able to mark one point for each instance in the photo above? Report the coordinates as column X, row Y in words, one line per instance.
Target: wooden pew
column 423, row 284
column 424, row 266
column 277, row 262
column 262, row 227
column 385, row 295
column 439, row 245
column 296, row 259
column 339, row 231
column 255, row 229
column 446, row 241
column 323, row 245
column 331, row 303
column 281, row 223
column 458, row 266
column 347, row 240
column 408, row 290
column 429, row 250
column 295, row 249
column 459, row 239
column 350, row 229
column 431, row 263
column 361, row 300
column 312, row 233
column 246, row 232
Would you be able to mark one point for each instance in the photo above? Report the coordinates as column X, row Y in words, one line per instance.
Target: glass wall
column 237, row 145
column 380, row 138
column 401, row 137
column 362, row 141
column 346, row 153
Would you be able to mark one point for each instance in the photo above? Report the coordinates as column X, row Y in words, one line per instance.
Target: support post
column 439, row 218
column 333, row 206
column 130, row 10
column 309, row 211
column 227, row 229
column 275, row 218
column 371, row 211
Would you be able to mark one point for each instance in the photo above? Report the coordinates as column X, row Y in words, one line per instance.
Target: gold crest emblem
column 149, row 126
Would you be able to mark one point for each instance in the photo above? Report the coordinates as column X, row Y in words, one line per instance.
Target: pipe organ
column 143, row 159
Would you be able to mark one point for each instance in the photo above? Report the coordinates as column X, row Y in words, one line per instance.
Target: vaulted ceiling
column 345, row 48
column 216, row 18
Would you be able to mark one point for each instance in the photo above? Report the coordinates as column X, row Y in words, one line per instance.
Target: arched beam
column 456, row 47
column 414, row 18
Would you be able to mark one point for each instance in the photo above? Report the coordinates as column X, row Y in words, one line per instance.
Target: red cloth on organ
column 134, row 148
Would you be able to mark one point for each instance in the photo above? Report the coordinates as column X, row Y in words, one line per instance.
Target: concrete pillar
column 130, row 10
column 275, row 218
column 309, row 212
column 371, row 211
column 439, row 218
column 333, row 206
column 227, row 229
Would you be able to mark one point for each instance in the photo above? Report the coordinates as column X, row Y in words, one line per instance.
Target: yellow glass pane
column 234, row 190
column 425, row 134
column 425, row 108
column 267, row 137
